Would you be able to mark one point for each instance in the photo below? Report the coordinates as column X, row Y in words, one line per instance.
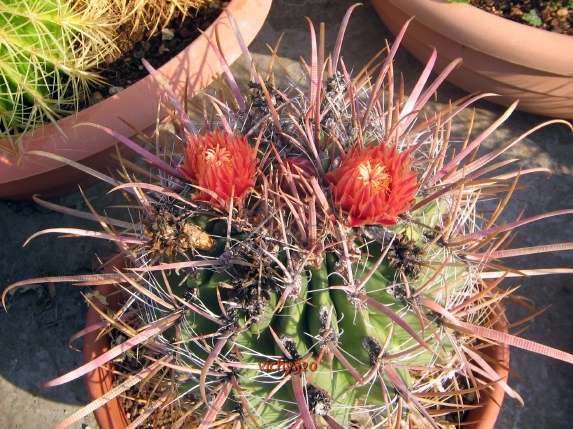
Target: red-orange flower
column 374, row 184
column 222, row 163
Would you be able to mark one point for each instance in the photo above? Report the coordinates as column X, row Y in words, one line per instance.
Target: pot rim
column 480, row 30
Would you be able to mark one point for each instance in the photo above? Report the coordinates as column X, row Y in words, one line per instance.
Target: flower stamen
column 374, row 174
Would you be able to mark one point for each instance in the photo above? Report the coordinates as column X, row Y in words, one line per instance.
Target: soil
column 157, row 50
column 551, row 15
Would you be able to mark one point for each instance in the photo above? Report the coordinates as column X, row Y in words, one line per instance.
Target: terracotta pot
column 486, row 415
column 112, row 415
column 100, row 381
column 500, row 56
column 137, row 104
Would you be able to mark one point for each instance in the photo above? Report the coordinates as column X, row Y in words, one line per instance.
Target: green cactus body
column 332, row 319
column 316, row 318
column 46, row 50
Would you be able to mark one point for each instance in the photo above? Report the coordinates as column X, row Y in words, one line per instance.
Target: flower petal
column 222, row 163
column 374, row 184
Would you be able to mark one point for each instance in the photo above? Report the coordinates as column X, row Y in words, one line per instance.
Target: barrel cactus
column 316, row 256
column 47, row 48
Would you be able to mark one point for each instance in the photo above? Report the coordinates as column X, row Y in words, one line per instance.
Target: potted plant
column 314, row 256
column 48, row 53
column 25, row 174
column 52, row 49
column 514, row 60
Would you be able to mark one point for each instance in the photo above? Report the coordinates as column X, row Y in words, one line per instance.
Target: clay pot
column 511, row 59
column 486, row 415
column 100, row 381
column 137, row 104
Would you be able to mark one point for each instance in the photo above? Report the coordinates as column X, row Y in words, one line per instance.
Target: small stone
column 167, row 34
column 555, row 23
column 162, row 49
column 95, row 97
column 115, row 89
column 515, row 11
column 562, row 12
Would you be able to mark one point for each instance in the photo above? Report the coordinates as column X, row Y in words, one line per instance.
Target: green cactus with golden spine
column 47, row 48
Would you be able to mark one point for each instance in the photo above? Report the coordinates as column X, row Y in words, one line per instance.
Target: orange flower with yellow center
column 374, row 184
column 221, row 163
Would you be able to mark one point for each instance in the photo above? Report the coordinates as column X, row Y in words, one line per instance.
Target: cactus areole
column 320, row 257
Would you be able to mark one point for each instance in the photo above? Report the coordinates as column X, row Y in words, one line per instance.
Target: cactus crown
column 315, row 256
